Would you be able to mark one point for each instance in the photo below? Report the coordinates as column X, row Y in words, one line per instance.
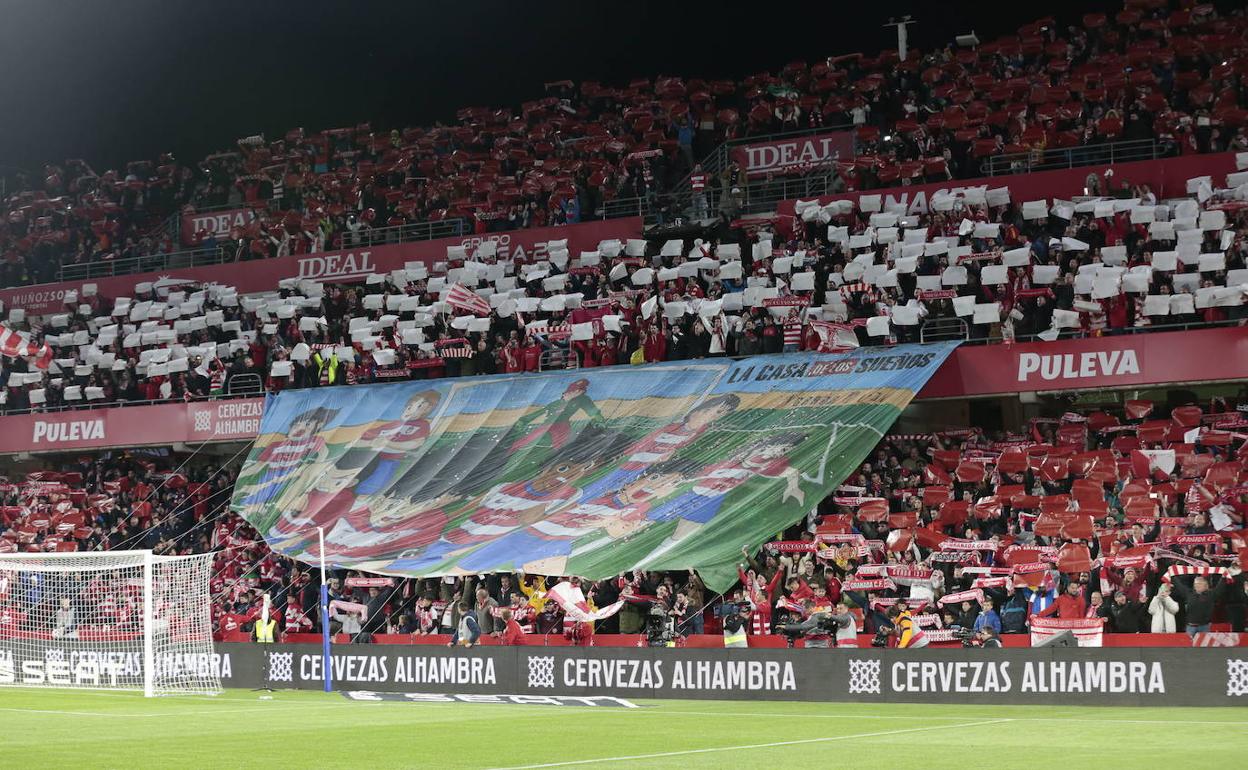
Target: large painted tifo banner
column 669, row 466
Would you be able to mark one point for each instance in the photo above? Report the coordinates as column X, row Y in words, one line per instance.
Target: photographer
column 986, row 636
column 736, row 618
column 816, row 628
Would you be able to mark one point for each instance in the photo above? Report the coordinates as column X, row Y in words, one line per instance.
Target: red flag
column 1098, row 421
column 873, row 510
column 899, row 540
column 1187, row 416
column 1085, row 491
column 1075, row 434
column 1222, row 475
column 947, row 458
column 1078, row 527
column 929, row 538
column 936, row 495
column 970, row 473
column 1154, row 431
column 834, row 525
column 1012, row 462
column 903, row 520
column 987, row 508
column 1193, row 466
column 1074, row 558
column 953, row 513
column 1054, row 469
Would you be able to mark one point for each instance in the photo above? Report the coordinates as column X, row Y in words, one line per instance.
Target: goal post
column 112, row 620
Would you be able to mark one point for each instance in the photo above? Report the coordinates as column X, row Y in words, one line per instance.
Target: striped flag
column 466, row 299
column 834, row 338
column 551, row 331
column 454, row 348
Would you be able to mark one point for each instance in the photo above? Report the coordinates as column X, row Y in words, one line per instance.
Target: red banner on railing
column 1097, row 362
column 794, row 156
column 198, row 225
column 336, row 266
column 187, row 423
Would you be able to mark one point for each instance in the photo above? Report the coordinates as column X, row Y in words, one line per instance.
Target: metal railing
column 1072, row 157
column 248, row 383
column 941, row 328
column 758, row 197
column 416, row 231
column 146, row 264
column 558, row 359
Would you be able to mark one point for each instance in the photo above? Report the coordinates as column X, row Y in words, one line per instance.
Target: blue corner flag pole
column 325, row 658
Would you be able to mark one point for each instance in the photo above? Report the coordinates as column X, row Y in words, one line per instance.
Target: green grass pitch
column 52, row 729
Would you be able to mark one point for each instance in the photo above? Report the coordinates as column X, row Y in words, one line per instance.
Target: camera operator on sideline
column 736, row 618
column 661, row 613
column 986, row 636
column 816, row 628
column 820, row 626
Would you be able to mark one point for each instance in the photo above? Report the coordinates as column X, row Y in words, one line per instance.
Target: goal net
column 122, row 620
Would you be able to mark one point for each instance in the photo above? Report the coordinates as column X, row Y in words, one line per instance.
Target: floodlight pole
column 325, row 656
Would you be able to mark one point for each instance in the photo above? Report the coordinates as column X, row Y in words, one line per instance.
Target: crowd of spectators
column 980, row 265
column 1129, row 517
column 1148, row 73
column 1132, row 518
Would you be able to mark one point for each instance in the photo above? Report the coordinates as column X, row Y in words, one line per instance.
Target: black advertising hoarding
column 1066, row 676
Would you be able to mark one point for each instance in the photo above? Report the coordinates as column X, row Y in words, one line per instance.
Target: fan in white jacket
column 1163, row 609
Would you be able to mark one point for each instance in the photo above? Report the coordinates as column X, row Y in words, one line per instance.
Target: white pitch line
column 924, row 717
column 746, row 746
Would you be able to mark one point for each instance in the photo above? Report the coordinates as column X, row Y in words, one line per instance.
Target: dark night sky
column 128, row 79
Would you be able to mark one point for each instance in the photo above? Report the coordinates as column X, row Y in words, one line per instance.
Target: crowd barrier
column 1067, row 676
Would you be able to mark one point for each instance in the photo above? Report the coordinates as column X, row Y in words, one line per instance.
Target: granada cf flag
column 669, row 466
column 1088, row 631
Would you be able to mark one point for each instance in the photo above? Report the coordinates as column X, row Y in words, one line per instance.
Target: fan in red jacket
column 1069, row 606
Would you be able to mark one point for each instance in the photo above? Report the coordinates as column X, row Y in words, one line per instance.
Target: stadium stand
column 1146, row 83
column 1133, row 505
column 979, row 266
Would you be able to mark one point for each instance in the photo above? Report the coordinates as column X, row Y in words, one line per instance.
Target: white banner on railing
column 1087, row 631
